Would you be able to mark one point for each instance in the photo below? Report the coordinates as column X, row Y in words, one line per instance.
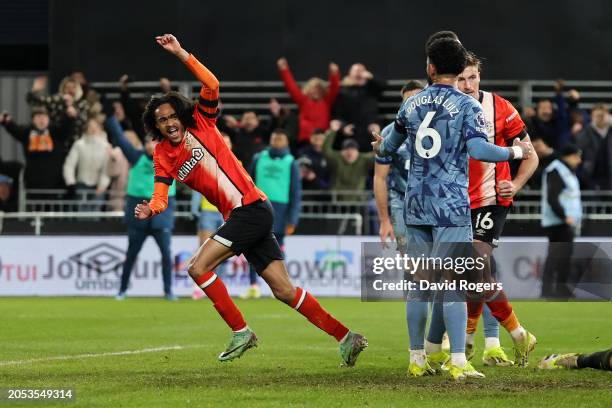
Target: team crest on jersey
column 196, row 155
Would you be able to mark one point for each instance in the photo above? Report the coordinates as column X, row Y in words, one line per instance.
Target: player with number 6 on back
column 443, row 125
column 193, row 151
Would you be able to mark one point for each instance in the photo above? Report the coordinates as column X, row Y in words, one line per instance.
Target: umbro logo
column 102, row 258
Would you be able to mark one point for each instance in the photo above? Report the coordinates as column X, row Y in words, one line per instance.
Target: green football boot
column 415, row 370
column 496, row 356
column 240, row 342
column 555, row 361
column 458, row 373
column 438, row 361
column 350, row 348
column 522, row 348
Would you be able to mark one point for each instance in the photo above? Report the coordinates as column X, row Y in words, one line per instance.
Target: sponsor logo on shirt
column 514, row 115
column 196, row 155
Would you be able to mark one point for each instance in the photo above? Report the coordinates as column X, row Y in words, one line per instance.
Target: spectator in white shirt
column 85, row 168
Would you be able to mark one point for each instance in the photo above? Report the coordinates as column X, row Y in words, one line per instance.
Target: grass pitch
column 80, row 343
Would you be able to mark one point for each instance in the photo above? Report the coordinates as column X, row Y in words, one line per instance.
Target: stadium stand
column 51, row 211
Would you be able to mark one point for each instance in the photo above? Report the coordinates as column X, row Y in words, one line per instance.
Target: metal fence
column 238, row 96
column 527, row 202
column 351, row 211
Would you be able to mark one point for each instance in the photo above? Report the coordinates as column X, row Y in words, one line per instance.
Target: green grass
column 294, row 365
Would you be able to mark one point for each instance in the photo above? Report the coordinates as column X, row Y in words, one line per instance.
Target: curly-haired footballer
column 193, row 151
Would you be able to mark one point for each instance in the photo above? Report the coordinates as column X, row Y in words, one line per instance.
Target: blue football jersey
column 437, row 122
column 399, row 164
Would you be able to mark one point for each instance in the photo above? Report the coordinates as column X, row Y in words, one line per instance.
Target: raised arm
column 209, row 94
column 334, row 84
column 116, row 132
column 290, row 85
column 19, row 132
column 36, row 97
column 327, row 150
column 171, row 44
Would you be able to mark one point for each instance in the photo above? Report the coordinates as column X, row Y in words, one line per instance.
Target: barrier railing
column 38, row 219
column 355, row 210
column 527, row 202
column 238, row 96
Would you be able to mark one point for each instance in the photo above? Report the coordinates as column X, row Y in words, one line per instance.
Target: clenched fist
column 142, row 211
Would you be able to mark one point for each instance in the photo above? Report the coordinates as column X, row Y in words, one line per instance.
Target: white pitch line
column 96, row 355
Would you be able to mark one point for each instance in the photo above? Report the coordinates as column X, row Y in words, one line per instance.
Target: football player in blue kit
column 442, row 126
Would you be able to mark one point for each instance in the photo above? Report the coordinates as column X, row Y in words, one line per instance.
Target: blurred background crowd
column 325, row 130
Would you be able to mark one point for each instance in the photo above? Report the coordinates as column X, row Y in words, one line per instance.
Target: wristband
column 517, row 151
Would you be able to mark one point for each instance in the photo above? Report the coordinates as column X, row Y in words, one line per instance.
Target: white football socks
column 518, row 334
column 418, row 356
column 458, row 359
column 491, row 342
column 431, row 348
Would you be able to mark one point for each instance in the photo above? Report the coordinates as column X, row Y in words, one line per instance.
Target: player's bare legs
column 276, row 276
column 210, row 254
column 201, row 269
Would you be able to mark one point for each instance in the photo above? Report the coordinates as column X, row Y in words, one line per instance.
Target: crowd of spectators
column 558, row 122
column 66, row 146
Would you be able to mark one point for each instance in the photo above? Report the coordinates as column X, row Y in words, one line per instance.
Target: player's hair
column 473, row 61
column 447, row 55
column 412, row 85
column 181, row 105
column 600, row 106
column 440, row 34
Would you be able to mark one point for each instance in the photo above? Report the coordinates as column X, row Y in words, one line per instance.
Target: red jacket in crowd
column 313, row 113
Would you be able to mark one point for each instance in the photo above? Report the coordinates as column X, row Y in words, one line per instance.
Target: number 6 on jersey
column 425, row 131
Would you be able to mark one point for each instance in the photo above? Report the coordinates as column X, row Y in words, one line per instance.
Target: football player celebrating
column 193, row 151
